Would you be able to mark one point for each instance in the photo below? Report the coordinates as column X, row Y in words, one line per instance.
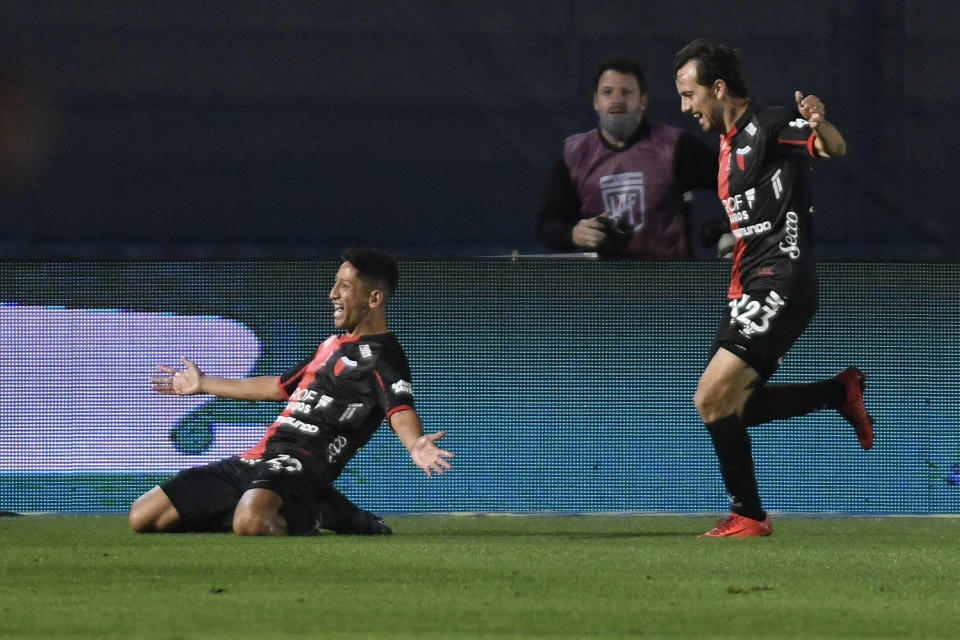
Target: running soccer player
column 336, row 399
column 764, row 184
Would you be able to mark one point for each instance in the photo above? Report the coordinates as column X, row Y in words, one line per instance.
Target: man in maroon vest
column 622, row 189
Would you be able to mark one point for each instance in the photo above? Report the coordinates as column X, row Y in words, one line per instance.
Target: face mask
column 619, row 126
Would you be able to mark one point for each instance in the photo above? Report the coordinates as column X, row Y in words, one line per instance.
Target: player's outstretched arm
column 422, row 448
column 191, row 380
column 829, row 143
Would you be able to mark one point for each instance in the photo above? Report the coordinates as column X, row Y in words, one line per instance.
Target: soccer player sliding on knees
column 336, row 398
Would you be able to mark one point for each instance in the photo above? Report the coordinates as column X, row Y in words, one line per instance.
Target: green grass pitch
column 485, row 577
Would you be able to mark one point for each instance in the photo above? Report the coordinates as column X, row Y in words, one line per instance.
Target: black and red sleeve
column 291, row 377
column 394, row 388
column 793, row 134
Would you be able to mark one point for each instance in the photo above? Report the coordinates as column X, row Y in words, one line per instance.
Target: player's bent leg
column 724, row 387
column 721, row 393
column 258, row 514
column 771, row 402
column 153, row 512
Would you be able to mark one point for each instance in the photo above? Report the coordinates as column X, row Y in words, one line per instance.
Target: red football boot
column 853, row 409
column 737, row 526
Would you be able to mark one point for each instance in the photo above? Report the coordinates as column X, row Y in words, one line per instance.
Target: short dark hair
column 377, row 269
column 714, row 62
column 620, row 65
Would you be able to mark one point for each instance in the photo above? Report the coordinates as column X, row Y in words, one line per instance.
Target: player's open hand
column 178, row 382
column 811, row 109
column 428, row 456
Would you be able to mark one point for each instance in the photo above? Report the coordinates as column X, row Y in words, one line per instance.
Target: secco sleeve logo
column 75, row 392
column 402, row 387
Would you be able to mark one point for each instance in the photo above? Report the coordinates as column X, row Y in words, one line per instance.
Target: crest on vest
column 623, row 197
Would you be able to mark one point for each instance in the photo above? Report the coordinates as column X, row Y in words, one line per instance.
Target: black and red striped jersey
column 337, row 398
column 764, row 185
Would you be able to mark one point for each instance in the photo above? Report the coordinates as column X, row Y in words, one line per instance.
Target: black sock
column 780, row 401
column 337, row 513
column 732, row 444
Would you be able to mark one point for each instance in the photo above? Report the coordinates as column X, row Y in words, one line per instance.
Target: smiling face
column 353, row 301
column 700, row 101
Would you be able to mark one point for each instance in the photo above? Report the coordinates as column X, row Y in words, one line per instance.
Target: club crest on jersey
column 365, row 351
column 342, row 364
column 751, row 128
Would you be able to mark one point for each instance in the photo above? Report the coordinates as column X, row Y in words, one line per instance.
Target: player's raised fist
column 811, row 109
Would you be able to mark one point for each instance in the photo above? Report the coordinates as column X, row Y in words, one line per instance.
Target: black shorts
column 205, row 497
column 761, row 327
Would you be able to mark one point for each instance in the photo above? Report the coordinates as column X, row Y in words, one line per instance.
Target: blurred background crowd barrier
column 290, row 129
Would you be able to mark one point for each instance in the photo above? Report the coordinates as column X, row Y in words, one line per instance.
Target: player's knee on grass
column 153, row 511
column 258, row 514
column 259, row 524
column 139, row 520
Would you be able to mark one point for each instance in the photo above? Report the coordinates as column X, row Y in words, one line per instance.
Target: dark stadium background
column 291, row 129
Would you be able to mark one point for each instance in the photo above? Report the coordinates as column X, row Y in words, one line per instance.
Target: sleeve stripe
column 398, row 408
column 808, row 143
column 810, row 148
